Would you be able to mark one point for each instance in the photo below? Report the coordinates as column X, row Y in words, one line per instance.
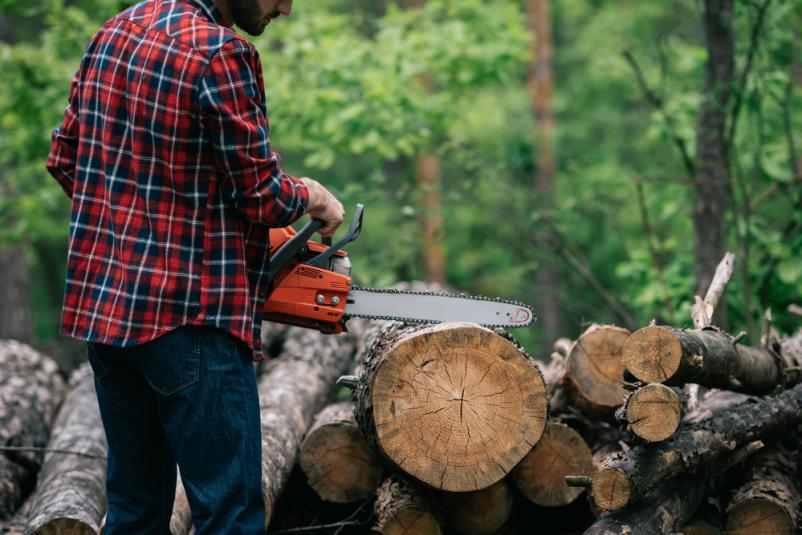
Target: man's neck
column 222, row 5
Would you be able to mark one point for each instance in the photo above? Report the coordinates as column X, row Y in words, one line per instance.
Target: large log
column 626, row 477
column 401, row 509
column 70, row 495
column 336, row 460
column 707, row 357
column 672, row 503
column 653, row 412
column 768, row 499
column 560, row 452
column 480, row 512
column 455, row 405
column 31, row 390
column 294, row 387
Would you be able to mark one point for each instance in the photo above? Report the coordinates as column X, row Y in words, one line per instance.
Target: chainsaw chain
column 442, row 294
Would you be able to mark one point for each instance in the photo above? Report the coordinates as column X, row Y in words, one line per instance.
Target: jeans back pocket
column 171, row 362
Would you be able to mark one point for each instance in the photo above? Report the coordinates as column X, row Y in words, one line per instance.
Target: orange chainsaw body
column 306, row 295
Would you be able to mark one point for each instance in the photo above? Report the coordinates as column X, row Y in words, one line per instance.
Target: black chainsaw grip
column 292, row 247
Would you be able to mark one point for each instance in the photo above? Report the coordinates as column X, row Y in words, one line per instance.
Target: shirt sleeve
column 231, row 101
column 64, row 143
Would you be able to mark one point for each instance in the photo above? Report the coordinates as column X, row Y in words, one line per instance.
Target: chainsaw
column 311, row 287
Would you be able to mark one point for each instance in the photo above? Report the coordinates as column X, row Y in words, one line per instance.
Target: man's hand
column 323, row 205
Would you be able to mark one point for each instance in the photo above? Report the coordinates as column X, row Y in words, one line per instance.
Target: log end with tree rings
column 336, row 460
column 652, row 354
column 401, row 509
column 610, row 489
column 560, row 452
column 653, row 412
column 759, row 515
column 455, row 405
column 595, row 368
column 477, row 513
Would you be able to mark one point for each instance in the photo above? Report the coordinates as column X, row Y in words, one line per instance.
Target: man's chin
column 254, row 30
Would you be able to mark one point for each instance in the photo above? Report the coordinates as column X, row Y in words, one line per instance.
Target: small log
column 595, row 370
column 768, row 499
column 708, row 357
column 626, row 477
column 670, row 505
column 401, row 508
column 455, row 405
column 70, row 495
column 31, row 390
column 480, row 512
column 560, row 452
column 337, row 461
column 653, row 412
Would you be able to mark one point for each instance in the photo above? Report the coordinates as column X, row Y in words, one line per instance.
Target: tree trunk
column 70, row 494
column 455, row 405
column 768, row 500
column 31, row 391
column 401, row 509
column 707, row 357
column 430, row 218
column 653, row 412
column 712, row 174
column 337, row 462
column 560, row 452
column 541, row 89
column 625, row 478
column 481, row 512
column 15, row 288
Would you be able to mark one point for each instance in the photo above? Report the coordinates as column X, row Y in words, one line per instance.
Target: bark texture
column 31, row 390
column 70, row 495
column 401, row 509
column 455, row 405
column 626, row 477
column 337, row 461
column 707, row 357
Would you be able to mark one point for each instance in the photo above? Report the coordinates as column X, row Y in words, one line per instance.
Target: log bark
column 70, row 495
column 653, row 412
column 401, row 509
column 708, row 357
column 669, row 506
column 292, row 390
column 625, row 478
column 560, row 452
column 337, row 461
column 481, row 512
column 595, row 370
column 181, row 519
column 768, row 499
column 31, row 390
column 455, row 405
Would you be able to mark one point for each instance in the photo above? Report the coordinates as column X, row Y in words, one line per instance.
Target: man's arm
column 231, row 101
column 64, row 144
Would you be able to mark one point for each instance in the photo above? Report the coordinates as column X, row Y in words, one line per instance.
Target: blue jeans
column 189, row 398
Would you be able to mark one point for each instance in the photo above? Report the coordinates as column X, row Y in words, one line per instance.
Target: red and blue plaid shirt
column 165, row 152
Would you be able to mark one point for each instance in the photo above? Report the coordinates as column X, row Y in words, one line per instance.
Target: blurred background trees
column 593, row 158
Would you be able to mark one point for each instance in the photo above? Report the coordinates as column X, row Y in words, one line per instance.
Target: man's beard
column 248, row 16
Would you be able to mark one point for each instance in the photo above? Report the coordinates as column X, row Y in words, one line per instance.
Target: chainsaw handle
column 292, row 247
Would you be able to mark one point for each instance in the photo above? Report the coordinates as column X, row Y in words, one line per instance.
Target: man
column 165, row 152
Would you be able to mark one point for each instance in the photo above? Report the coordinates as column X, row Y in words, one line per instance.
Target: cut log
column 707, row 357
column 768, row 499
column 481, row 512
column 70, row 495
column 401, row 508
column 295, row 387
column 653, row 412
column 595, row 370
column 337, row 461
column 31, row 390
column 672, row 503
column 625, row 478
column 455, row 405
column 560, row 452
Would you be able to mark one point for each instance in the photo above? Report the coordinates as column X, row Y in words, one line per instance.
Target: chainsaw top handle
column 298, row 243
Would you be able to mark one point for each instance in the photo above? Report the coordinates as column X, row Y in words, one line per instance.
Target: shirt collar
column 211, row 11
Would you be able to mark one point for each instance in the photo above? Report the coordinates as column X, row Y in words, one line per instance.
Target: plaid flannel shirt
column 165, row 152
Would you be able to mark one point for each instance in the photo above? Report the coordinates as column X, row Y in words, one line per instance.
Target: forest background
column 593, row 158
